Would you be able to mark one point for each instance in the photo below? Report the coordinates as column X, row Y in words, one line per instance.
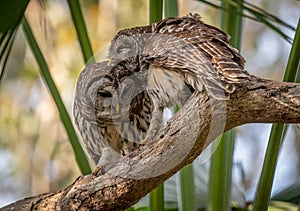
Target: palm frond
column 81, row 30
column 277, row 134
column 257, row 14
column 6, row 42
column 65, row 118
column 11, row 13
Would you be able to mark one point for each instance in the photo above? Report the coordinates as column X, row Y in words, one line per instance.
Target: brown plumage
column 111, row 110
column 168, row 61
column 180, row 55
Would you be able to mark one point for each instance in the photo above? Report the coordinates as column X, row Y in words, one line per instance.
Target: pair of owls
column 119, row 103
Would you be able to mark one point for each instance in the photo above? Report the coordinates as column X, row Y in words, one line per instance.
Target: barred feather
column 100, row 127
column 181, row 55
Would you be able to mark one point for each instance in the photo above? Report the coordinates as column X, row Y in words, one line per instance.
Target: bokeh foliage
column 17, row 111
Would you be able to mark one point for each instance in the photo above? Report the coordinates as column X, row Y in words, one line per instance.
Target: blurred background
column 35, row 154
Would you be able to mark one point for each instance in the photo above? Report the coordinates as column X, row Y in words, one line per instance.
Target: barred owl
column 180, row 56
column 111, row 110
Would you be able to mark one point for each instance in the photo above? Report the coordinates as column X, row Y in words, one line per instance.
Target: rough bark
column 181, row 140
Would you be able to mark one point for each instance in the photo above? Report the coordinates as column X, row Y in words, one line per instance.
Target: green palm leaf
column 66, row 120
column 11, row 13
column 257, row 14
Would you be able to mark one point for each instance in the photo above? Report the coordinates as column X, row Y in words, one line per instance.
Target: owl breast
column 167, row 86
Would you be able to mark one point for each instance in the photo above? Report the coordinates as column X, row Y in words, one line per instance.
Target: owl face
column 128, row 43
column 113, row 99
column 110, row 102
column 124, row 48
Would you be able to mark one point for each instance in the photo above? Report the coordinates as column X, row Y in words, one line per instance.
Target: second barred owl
column 180, row 56
column 111, row 111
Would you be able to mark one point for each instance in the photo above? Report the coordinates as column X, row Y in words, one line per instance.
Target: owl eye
column 104, row 93
column 124, row 48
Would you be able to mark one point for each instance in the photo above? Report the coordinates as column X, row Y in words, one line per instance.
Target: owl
column 180, row 56
column 112, row 111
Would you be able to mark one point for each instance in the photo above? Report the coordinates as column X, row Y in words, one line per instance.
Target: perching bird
column 112, row 111
column 180, row 55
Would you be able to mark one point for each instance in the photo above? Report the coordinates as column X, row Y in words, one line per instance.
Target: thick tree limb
column 179, row 143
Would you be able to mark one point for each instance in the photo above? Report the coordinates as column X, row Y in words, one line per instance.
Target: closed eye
column 104, row 93
column 123, row 49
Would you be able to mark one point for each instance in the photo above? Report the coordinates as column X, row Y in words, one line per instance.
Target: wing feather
column 202, row 51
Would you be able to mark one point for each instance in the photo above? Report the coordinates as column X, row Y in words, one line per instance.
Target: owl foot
column 97, row 170
column 145, row 141
column 108, row 156
column 150, row 136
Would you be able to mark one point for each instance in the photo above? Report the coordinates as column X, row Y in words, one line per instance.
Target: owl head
column 91, row 79
column 128, row 44
column 107, row 94
column 113, row 99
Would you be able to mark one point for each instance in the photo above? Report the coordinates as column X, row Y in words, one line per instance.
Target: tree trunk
column 180, row 141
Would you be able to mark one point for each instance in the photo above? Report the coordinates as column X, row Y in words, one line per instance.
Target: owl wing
column 201, row 52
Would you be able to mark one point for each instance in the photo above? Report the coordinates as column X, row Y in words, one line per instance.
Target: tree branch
column 180, row 141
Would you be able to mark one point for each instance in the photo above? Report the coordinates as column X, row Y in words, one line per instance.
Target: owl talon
column 140, row 145
column 145, row 141
column 97, row 170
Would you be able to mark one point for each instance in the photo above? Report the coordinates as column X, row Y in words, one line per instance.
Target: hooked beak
column 117, row 108
column 116, row 105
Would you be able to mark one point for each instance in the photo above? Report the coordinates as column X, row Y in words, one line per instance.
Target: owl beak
column 117, row 108
column 110, row 61
column 116, row 105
